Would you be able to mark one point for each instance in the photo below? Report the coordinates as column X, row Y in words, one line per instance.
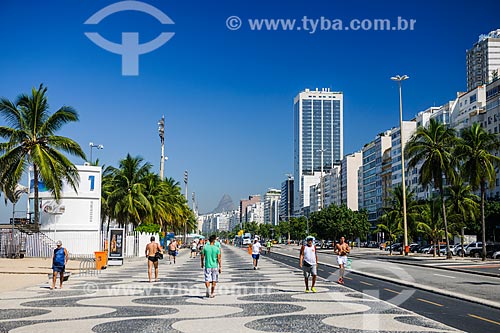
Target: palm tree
column 412, row 207
column 474, row 149
column 390, row 224
column 127, row 199
column 430, row 223
column 30, row 132
column 462, row 204
column 433, row 145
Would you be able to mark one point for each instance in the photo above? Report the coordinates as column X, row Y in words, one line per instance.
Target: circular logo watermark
column 233, row 22
column 90, row 288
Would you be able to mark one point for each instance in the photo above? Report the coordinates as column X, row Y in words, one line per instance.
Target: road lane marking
column 426, row 301
column 366, row 283
column 475, row 266
column 348, row 278
column 485, row 319
column 392, row 291
column 446, row 276
column 321, row 269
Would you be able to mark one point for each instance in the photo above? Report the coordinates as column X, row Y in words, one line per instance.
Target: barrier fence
column 79, row 244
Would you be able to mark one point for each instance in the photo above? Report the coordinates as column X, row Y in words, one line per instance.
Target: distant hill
column 225, row 204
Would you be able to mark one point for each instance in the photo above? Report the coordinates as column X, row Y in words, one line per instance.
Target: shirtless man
column 151, row 250
column 342, row 249
column 172, row 250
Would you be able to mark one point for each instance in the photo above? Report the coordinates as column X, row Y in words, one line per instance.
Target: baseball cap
column 58, row 243
column 309, row 238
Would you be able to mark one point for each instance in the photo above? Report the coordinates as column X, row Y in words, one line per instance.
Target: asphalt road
column 464, row 315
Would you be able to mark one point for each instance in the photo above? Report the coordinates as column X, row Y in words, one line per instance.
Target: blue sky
column 227, row 95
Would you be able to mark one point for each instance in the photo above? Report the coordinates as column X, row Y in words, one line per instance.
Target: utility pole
column 161, row 133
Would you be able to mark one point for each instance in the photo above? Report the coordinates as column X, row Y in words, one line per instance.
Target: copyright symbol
column 90, row 288
column 233, row 23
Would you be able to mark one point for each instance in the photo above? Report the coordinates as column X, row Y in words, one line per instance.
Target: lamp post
column 92, row 145
column 288, row 181
column 161, row 133
column 399, row 79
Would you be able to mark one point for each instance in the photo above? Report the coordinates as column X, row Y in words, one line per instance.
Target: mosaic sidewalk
column 270, row 299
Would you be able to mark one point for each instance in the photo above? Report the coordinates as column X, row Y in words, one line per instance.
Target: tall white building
column 372, row 175
column 409, row 128
column 272, row 206
column 318, row 138
column 224, row 221
column 255, row 212
column 349, row 180
column 483, row 60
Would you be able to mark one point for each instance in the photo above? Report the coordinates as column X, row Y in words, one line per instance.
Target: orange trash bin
column 101, row 260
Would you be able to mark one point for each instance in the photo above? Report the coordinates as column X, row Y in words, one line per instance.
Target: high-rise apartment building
column 286, row 199
column 252, row 199
column 372, row 175
column 272, row 206
column 318, row 139
column 483, row 60
column 349, row 180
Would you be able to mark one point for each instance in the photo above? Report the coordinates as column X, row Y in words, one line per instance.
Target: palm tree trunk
column 483, row 222
column 448, row 253
column 36, row 205
column 435, row 242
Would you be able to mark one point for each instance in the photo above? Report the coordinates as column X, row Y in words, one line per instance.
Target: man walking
column 212, row 265
column 342, row 249
column 59, row 261
column 172, row 250
column 268, row 245
column 308, row 261
column 194, row 248
column 256, row 248
column 151, row 250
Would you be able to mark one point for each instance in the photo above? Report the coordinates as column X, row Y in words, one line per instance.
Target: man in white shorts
column 212, row 265
column 342, row 249
column 308, row 262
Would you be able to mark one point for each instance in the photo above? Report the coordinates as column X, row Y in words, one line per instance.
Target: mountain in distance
column 225, row 204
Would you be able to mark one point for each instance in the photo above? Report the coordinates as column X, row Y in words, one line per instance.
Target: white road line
column 446, row 276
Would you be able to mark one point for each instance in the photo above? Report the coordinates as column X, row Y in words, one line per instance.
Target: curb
column 419, row 286
column 447, row 269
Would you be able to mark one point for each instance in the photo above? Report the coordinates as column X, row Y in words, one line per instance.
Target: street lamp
column 399, row 79
column 161, row 133
column 92, row 145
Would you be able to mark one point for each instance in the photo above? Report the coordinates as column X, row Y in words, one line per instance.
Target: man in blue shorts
column 212, row 265
column 256, row 248
column 59, row 261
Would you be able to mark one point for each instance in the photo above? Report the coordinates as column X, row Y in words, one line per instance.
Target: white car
column 473, row 246
column 496, row 255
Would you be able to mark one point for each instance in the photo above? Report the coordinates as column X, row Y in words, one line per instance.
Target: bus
column 247, row 238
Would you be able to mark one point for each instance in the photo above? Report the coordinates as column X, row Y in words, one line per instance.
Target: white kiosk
column 76, row 218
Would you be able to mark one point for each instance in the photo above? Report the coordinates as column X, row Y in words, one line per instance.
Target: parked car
column 496, row 255
column 492, row 249
column 425, row 249
column 457, row 249
column 442, row 249
column 328, row 244
column 473, row 246
column 415, row 247
column 393, row 247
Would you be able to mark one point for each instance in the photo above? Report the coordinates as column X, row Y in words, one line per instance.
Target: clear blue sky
column 227, row 95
